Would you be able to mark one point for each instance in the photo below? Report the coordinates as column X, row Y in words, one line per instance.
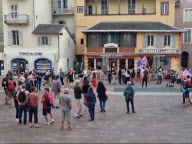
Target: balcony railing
column 19, row 19
column 58, row 11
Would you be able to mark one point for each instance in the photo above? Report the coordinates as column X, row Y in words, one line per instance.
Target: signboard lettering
column 30, row 53
column 158, row 51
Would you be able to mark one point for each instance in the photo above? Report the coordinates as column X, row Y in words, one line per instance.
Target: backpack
column 11, row 86
column 22, row 96
column 49, row 100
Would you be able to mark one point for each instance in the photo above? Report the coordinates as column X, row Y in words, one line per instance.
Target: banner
column 142, row 62
column 186, row 73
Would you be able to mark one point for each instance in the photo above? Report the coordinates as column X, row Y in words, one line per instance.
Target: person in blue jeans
column 39, row 76
column 91, row 100
column 101, row 90
column 22, row 97
column 129, row 97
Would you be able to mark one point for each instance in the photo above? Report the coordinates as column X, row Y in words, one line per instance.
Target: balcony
column 120, row 7
column 19, row 19
column 63, row 11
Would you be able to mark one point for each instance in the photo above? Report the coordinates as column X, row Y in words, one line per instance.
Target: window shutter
column 156, row 41
column 39, row 41
column 49, row 40
column 173, row 41
column 162, row 41
column 145, row 41
column 20, row 38
column 10, row 38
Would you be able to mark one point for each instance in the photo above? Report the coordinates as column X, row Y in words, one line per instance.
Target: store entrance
column 1, row 66
column 18, row 66
column 112, row 64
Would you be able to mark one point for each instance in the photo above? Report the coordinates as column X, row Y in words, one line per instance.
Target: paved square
column 160, row 117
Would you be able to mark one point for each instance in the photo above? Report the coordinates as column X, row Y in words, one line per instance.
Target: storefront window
column 99, row 63
column 165, row 63
column 43, row 65
column 18, row 66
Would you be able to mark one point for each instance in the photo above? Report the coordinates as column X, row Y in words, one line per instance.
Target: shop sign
column 159, row 51
column 31, row 53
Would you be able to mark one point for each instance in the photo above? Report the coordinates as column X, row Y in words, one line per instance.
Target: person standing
column 28, row 85
column 85, row 92
column 109, row 76
column 70, row 77
column 33, row 101
column 160, row 75
column 56, row 89
column 39, row 80
column 22, row 98
column 78, row 96
column 11, row 90
column 65, row 103
column 16, row 104
column 94, row 81
column 101, row 90
column 91, row 100
column 5, row 86
column 178, row 77
column 114, row 73
column 46, row 78
column 21, row 79
column 61, row 75
column 47, row 97
column 132, row 76
column 129, row 97
column 127, row 76
column 150, row 74
column 138, row 75
column 120, row 76
column 145, row 76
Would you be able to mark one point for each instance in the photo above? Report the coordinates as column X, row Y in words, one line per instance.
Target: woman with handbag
column 101, row 90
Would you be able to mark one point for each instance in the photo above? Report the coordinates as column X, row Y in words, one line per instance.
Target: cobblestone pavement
column 160, row 118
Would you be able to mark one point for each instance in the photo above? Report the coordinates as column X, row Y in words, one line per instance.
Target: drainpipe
column 34, row 14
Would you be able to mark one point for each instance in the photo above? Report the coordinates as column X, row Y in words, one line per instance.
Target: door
column 131, row 63
column 18, row 66
column 22, row 66
column 112, row 63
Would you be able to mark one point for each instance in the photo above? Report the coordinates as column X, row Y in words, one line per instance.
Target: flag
column 142, row 62
column 186, row 73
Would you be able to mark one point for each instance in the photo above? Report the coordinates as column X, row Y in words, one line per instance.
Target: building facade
column 183, row 14
column 63, row 13
column 1, row 39
column 31, row 41
column 116, row 33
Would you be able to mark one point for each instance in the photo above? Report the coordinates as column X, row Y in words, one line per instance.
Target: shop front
column 41, row 60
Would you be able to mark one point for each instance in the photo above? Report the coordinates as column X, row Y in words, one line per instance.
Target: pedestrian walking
column 138, row 75
column 167, row 78
column 5, row 86
column 11, row 90
column 78, row 97
column 46, row 78
column 21, row 79
column 109, row 76
column 70, row 77
column 66, row 106
column 22, row 98
column 186, row 86
column 91, row 100
column 132, row 76
column 114, row 75
column 150, row 74
column 33, row 101
column 61, row 75
column 145, row 76
column 101, row 90
column 56, row 89
column 94, row 81
column 85, row 93
column 16, row 104
column 129, row 97
column 120, row 76
column 127, row 76
column 47, row 101
column 172, row 79
column 28, row 85
column 178, row 76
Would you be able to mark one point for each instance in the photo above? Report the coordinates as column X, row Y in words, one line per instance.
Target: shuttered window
column 94, row 40
column 15, row 38
column 150, row 40
column 44, row 40
column 187, row 36
column 164, row 8
column 167, row 40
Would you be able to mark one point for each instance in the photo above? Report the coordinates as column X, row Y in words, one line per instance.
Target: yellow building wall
column 83, row 22
column 148, row 4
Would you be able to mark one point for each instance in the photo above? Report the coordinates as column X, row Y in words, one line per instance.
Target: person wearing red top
column 94, row 81
column 46, row 109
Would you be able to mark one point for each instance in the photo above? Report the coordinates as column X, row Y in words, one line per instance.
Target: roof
column 128, row 26
column 48, row 29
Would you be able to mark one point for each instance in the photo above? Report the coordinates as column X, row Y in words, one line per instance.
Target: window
column 89, row 9
column 80, row 9
column 82, row 41
column 188, row 15
column 164, row 8
column 15, row 37
column 62, row 4
column 104, row 7
column 14, row 11
column 187, row 37
column 44, row 41
column 167, row 40
column 131, row 6
column 128, row 40
column 150, row 40
column 94, row 40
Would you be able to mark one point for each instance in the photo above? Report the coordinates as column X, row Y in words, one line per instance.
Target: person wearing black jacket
column 5, row 86
column 101, row 90
column 78, row 96
column 28, row 85
column 120, row 76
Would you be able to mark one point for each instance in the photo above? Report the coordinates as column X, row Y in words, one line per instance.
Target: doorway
column 18, row 66
column 184, row 59
column 130, row 63
column 112, row 63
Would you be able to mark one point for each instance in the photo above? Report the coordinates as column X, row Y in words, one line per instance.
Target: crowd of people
column 23, row 95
